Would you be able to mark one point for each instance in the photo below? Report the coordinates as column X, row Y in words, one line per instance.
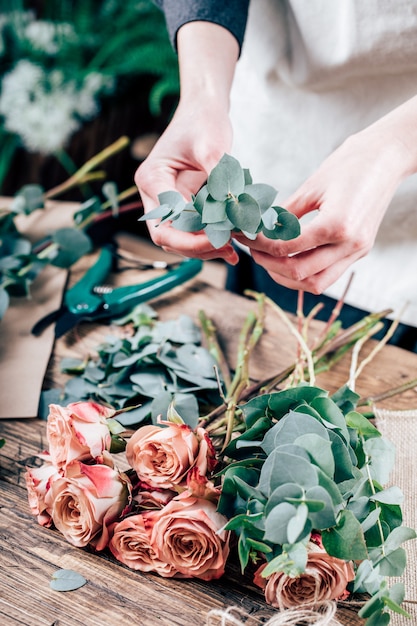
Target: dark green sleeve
column 232, row 14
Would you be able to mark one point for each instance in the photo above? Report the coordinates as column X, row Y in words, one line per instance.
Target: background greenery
column 127, row 43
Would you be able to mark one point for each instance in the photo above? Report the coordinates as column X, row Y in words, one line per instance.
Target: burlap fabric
column 400, row 427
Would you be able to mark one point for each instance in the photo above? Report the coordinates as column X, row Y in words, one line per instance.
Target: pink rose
column 325, row 578
column 162, row 457
column 37, row 484
column 77, row 432
column 85, row 501
column 153, row 499
column 187, row 534
column 131, row 545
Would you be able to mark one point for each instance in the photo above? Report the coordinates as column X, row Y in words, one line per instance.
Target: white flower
column 44, row 108
column 49, row 36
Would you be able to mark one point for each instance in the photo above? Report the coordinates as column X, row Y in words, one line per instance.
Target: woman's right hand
column 181, row 160
column 197, row 137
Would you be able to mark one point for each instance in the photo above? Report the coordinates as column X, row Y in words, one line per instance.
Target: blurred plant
column 21, row 260
column 57, row 65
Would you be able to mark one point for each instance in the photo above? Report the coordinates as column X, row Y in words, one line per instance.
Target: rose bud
column 78, row 432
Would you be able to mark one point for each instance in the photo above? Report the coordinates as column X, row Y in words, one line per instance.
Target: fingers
column 313, row 271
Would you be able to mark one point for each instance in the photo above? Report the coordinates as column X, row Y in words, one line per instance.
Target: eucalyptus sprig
column 21, row 261
column 307, row 462
column 228, row 203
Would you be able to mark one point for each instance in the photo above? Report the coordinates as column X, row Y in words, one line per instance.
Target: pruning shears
column 87, row 300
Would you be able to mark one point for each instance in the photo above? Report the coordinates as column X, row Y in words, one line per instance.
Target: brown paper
column 24, row 357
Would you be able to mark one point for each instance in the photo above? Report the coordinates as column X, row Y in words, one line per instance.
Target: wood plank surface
column 114, row 594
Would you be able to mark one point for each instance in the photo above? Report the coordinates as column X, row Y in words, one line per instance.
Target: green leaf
column 398, row 536
column 186, row 406
column 393, row 564
column 244, row 213
column 73, row 244
column 319, row 450
column 200, row 198
column 28, row 199
column 66, row 580
column 281, row 402
column 292, row 561
column 213, row 211
column 360, row 423
column 276, row 523
column 281, row 468
column 226, row 178
column 285, row 225
column 217, row 238
column 321, row 517
column 331, row 415
column 4, row 302
column 289, row 428
column 189, row 220
column 263, row 194
column 162, row 212
column 382, row 455
column 346, row 540
column 70, row 365
column 392, row 495
column 290, row 492
column 110, row 192
column 380, row 618
column 297, row 523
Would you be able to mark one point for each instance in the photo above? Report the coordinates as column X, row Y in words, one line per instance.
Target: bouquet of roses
column 160, row 515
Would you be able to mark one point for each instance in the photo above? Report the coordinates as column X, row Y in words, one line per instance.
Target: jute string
column 399, row 427
column 322, row 614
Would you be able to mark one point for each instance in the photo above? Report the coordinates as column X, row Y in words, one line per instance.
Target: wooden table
column 114, row 594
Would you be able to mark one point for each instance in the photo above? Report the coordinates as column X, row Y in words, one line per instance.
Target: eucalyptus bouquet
column 59, row 64
column 293, row 483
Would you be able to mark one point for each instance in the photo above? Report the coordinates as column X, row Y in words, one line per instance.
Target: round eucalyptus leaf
column 226, row 178
column 4, row 302
column 213, row 211
column 244, row 213
column 28, row 199
column 263, row 194
column 73, row 244
column 66, row 580
column 286, row 225
column 217, row 238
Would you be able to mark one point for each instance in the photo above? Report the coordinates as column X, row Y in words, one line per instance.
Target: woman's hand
column 351, row 192
column 197, row 137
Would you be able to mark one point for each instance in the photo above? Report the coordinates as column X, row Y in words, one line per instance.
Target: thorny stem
column 410, row 384
column 214, row 348
column 295, row 332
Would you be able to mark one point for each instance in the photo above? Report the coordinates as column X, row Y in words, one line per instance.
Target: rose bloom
column 187, row 533
column 37, row 484
column 85, row 501
column 162, row 457
column 77, row 432
column 325, row 578
column 131, row 545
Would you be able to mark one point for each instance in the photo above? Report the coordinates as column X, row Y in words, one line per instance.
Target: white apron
column 311, row 73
